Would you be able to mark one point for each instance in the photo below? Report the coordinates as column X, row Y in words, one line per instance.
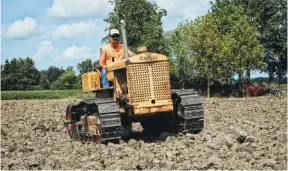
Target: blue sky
column 65, row 32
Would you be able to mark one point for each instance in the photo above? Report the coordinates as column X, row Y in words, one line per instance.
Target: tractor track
column 191, row 110
column 109, row 115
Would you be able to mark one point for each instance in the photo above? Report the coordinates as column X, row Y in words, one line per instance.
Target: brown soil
column 248, row 133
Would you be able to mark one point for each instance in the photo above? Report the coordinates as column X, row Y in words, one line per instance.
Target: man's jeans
column 104, row 78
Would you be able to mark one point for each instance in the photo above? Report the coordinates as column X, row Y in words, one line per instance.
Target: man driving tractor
column 111, row 52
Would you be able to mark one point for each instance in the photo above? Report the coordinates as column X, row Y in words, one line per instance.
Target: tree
column 5, row 81
column 53, row 73
column 180, row 57
column 247, row 51
column 70, row 69
column 65, row 81
column 44, row 81
column 270, row 19
column 217, row 46
column 273, row 28
column 143, row 23
column 85, row 66
column 30, row 74
column 19, row 74
column 210, row 50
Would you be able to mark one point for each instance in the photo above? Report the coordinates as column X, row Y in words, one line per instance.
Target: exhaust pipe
column 124, row 38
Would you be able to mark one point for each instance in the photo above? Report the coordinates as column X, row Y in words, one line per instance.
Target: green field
column 44, row 94
column 61, row 94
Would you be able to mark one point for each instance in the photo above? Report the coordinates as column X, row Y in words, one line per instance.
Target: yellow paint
column 90, row 81
column 151, row 110
column 122, row 110
column 163, row 103
column 140, row 58
column 110, row 75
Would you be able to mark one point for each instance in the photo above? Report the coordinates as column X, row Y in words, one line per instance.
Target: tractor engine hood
column 136, row 59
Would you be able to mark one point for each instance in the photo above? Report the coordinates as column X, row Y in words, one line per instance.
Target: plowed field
column 249, row 133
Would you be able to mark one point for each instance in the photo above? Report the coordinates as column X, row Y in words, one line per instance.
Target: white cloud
column 78, row 8
column 180, row 10
column 22, row 29
column 46, row 50
column 188, row 9
column 76, row 52
column 75, row 30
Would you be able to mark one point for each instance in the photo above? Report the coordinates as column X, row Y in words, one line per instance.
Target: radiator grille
column 140, row 88
column 139, row 82
column 161, row 80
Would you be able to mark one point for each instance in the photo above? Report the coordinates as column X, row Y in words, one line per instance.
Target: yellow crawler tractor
column 141, row 92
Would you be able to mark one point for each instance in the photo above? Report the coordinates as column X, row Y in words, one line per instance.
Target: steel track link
column 190, row 110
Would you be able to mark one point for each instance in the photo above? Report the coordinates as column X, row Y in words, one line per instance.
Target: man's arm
column 102, row 59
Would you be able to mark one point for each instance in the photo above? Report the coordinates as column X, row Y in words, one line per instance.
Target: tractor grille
column 139, row 82
column 143, row 88
column 161, row 80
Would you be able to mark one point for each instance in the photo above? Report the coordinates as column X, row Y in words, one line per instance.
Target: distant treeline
column 21, row 74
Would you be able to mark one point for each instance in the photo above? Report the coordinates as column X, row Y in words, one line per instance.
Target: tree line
column 232, row 39
column 21, row 74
